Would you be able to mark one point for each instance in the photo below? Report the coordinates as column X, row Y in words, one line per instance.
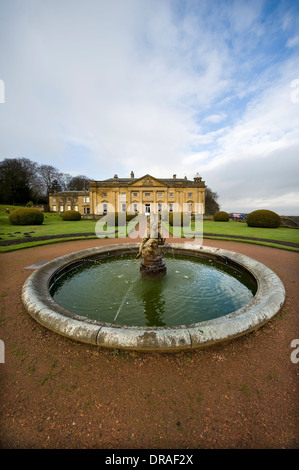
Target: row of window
column 147, row 194
column 147, row 207
column 86, row 210
column 75, row 199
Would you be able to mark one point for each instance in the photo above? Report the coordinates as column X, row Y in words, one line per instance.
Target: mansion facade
column 133, row 195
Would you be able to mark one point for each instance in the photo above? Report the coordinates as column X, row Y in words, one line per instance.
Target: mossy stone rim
column 266, row 303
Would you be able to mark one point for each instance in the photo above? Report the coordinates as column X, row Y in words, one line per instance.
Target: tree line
column 22, row 180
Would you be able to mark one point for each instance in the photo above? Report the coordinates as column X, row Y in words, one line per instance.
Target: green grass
column 54, row 225
column 242, row 229
column 233, row 229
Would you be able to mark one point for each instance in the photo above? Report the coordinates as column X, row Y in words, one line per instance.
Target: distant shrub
column 221, row 216
column 71, row 215
column 263, row 218
column 29, row 204
column 26, row 216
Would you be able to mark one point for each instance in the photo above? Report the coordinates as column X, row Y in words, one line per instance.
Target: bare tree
column 51, row 177
column 19, row 182
column 211, row 204
column 79, row 183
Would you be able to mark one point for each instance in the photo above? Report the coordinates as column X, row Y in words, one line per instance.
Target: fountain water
column 169, row 310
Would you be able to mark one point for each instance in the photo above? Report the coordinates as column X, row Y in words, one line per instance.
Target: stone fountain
column 202, row 300
column 153, row 264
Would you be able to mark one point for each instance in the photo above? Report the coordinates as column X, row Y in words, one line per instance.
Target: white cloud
column 100, row 88
column 293, row 42
column 216, row 117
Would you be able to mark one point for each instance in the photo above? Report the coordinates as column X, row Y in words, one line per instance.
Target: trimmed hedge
column 221, row 216
column 26, row 216
column 71, row 215
column 263, row 218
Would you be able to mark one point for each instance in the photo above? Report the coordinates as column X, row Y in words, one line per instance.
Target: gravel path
column 60, row 394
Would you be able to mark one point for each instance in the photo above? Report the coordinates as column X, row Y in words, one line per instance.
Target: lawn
column 54, row 225
column 230, row 230
column 242, row 229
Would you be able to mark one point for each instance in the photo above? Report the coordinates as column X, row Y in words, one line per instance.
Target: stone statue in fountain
column 152, row 264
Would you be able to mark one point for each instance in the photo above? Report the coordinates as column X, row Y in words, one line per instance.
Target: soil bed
column 60, row 394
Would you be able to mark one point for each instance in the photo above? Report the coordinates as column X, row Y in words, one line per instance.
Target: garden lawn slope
column 54, row 229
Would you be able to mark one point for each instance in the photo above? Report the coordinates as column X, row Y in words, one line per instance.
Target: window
column 189, row 194
column 68, row 199
column 54, row 199
column 105, row 206
column 85, row 199
column 171, row 194
column 135, row 207
column 54, row 209
column 61, row 199
column 160, row 194
column 68, row 208
column 159, row 207
column 170, row 207
column 123, row 207
column 61, row 208
column 88, row 210
column 104, row 194
column 135, row 194
column 147, row 208
column 123, row 194
column 147, row 194
column 76, row 208
column 75, row 199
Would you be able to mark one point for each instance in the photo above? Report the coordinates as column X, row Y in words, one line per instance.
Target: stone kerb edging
column 265, row 304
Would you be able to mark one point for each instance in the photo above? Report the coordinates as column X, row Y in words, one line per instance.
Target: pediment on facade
column 147, row 180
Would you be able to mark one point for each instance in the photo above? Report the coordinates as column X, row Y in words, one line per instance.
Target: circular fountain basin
column 97, row 296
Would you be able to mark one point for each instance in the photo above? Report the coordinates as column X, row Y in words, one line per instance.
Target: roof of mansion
column 148, row 180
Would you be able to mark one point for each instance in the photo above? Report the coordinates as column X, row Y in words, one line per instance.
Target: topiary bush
column 263, row 218
column 71, row 215
column 221, row 216
column 26, row 216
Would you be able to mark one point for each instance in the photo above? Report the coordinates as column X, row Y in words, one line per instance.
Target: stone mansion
column 132, row 195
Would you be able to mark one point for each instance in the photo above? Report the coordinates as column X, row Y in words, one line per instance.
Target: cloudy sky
column 98, row 87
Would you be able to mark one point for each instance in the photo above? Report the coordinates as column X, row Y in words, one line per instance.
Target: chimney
column 174, row 177
column 115, row 176
column 132, row 174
